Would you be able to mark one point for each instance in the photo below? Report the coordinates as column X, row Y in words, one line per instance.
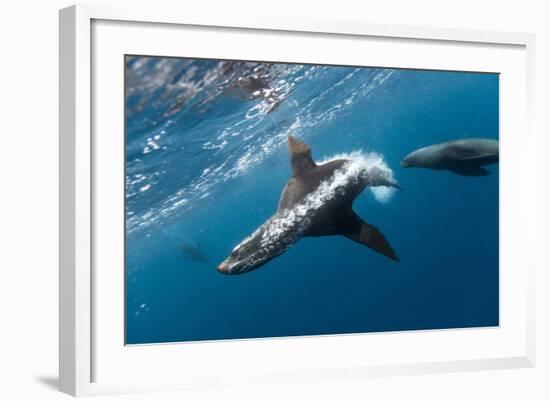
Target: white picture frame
column 79, row 166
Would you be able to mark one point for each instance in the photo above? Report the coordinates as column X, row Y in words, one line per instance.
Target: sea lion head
column 408, row 161
column 423, row 157
column 246, row 256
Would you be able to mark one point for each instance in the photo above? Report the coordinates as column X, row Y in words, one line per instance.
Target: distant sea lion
column 316, row 201
column 463, row 156
column 192, row 252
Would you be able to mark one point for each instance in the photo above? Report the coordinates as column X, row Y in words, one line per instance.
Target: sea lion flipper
column 291, row 195
column 300, row 156
column 364, row 233
column 470, row 171
column 480, row 156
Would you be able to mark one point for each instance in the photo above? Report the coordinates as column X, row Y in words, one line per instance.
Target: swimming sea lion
column 463, row 156
column 316, row 201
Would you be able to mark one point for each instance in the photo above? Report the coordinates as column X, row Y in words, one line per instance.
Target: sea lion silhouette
column 463, row 156
column 316, row 201
column 192, row 251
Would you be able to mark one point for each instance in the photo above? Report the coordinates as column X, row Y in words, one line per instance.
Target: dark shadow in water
column 192, row 251
column 52, row 382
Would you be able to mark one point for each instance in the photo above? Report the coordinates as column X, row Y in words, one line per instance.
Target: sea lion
column 192, row 251
column 316, row 201
column 463, row 156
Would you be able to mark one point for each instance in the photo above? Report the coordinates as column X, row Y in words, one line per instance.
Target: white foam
column 382, row 194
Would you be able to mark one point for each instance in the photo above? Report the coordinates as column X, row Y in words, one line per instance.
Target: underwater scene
column 275, row 199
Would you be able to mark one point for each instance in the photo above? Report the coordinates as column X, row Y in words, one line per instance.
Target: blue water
column 206, row 160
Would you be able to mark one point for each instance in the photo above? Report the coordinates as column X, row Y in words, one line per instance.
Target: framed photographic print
column 271, row 200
